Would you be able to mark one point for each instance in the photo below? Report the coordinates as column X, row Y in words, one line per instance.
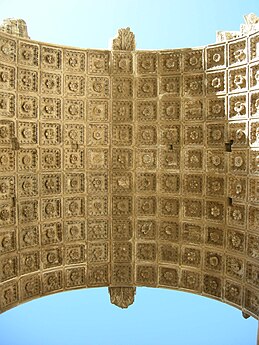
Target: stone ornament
column 122, row 168
column 15, row 27
column 122, row 297
column 251, row 25
column 124, row 41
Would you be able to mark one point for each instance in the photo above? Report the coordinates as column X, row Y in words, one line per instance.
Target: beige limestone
column 126, row 168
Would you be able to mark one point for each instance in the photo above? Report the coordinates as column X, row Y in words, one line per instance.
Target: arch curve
column 126, row 168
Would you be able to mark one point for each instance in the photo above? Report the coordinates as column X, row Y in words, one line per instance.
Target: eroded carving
column 123, row 168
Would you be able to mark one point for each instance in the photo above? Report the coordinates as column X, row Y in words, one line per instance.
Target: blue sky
column 158, row 317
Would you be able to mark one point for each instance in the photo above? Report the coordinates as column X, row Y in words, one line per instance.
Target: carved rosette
column 141, row 166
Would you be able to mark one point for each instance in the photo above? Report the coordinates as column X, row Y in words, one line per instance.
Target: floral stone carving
column 122, row 296
column 122, row 168
column 124, row 41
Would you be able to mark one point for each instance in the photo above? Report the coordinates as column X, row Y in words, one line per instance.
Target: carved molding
column 125, row 168
column 122, row 297
column 16, row 27
column 251, row 25
column 125, row 40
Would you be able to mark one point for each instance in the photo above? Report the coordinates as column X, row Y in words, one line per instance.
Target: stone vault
column 126, row 168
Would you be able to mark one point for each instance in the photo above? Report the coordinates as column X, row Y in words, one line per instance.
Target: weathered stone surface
column 129, row 168
column 122, row 297
column 125, row 40
column 251, row 25
column 16, row 27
